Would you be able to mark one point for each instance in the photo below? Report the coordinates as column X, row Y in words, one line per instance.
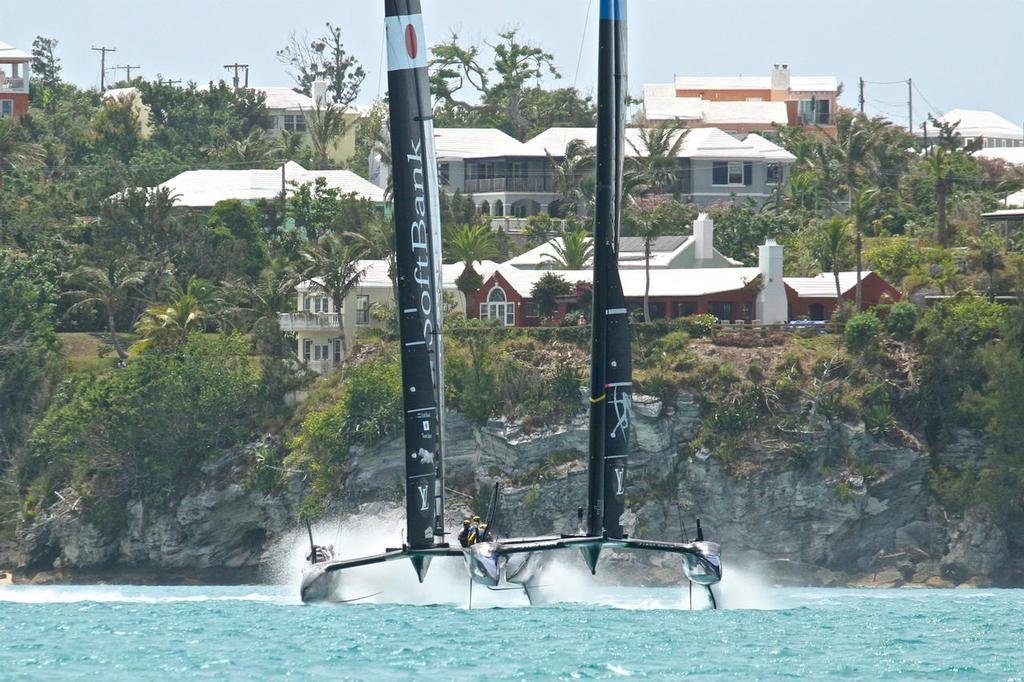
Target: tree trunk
column 860, row 248
column 338, row 304
column 112, row 328
column 941, row 192
column 647, row 283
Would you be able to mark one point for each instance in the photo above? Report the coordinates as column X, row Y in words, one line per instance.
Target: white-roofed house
column 986, row 128
column 204, row 188
column 696, row 250
column 714, row 166
column 289, row 111
column 315, row 325
column 14, row 81
column 745, row 104
column 729, row 293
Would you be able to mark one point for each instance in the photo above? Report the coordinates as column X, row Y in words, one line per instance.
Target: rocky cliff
column 832, row 508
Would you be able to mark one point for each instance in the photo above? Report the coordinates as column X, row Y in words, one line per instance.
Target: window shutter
column 720, row 173
column 748, row 173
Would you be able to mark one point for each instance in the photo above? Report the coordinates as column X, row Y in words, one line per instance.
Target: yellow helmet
column 465, row 522
column 483, row 525
column 476, row 518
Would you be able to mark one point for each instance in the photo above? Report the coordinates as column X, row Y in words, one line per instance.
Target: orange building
column 745, row 104
column 14, row 74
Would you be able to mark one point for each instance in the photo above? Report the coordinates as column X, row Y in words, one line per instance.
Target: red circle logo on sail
column 411, row 44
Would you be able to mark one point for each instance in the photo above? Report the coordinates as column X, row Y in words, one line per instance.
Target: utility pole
column 127, row 70
column 861, row 98
column 238, row 68
column 910, row 102
column 103, row 64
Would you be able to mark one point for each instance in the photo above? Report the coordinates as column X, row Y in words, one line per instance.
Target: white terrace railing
column 303, row 322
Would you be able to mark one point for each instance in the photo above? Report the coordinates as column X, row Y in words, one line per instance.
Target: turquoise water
column 130, row 633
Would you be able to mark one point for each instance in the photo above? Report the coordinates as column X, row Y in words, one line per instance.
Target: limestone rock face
column 839, row 504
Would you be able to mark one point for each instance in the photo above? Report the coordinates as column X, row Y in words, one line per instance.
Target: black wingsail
column 418, row 244
column 611, row 371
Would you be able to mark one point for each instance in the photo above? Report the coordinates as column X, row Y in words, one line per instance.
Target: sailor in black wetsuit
column 464, row 535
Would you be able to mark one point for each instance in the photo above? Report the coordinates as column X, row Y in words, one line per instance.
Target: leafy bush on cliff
column 862, row 332
column 143, row 430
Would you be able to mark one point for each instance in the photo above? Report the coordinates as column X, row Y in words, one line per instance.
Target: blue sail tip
column 613, row 9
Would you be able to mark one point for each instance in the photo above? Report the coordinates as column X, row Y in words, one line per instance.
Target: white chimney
column 320, row 94
column 780, row 77
column 772, row 304
column 704, row 237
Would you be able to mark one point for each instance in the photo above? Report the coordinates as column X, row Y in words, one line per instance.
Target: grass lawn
column 82, row 350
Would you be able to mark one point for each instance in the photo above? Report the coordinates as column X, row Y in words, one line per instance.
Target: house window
column 774, row 173
column 337, row 351
column 748, row 312
column 730, row 172
column 362, row 309
column 444, row 173
column 532, row 309
column 295, row 123
column 321, row 304
column 657, row 310
column 307, row 349
column 816, row 312
column 307, row 303
column 686, row 308
column 6, row 108
column 498, row 307
column 722, row 310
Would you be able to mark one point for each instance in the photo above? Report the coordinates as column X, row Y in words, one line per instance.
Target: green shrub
column 901, row 320
column 862, row 332
column 844, row 493
column 878, row 419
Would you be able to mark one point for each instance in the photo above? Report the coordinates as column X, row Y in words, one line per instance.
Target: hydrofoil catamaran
column 417, row 223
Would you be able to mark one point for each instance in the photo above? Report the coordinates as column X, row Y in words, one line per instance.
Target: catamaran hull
column 319, row 585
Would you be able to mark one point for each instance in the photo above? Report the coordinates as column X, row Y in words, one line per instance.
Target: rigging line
column 902, row 82
column 380, row 61
column 583, row 40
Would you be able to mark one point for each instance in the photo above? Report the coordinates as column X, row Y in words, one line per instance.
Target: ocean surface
column 261, row 632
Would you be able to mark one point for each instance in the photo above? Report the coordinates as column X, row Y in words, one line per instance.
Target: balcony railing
column 518, row 225
column 531, row 184
column 8, row 84
column 304, row 322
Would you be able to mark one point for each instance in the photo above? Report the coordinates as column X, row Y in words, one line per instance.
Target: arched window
column 485, row 208
column 499, row 208
column 498, row 307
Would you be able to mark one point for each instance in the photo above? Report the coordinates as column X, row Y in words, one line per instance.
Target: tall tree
column 504, row 94
column 570, row 174
column 938, row 165
column 324, row 58
column 109, row 287
column 644, row 219
column 331, row 265
column 832, row 248
column 654, row 168
column 45, row 62
column 471, row 244
column 572, row 251
column 861, row 206
column 165, row 326
column 326, row 126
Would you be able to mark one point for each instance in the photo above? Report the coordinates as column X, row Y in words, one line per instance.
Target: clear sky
column 960, row 53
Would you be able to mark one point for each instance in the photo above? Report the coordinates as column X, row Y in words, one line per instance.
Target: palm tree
column 574, row 251
column 326, row 125
column 108, row 288
column 832, row 247
column 16, row 151
column 331, row 266
column 861, row 205
column 642, row 220
column 471, row 244
column 856, row 137
column 990, row 258
column 167, row 325
column 656, row 164
column 261, row 302
column 569, row 173
column 380, row 240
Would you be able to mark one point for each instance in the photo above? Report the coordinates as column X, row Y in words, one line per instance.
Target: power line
column 127, row 68
column 237, row 68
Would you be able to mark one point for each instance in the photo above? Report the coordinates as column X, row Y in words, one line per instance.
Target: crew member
column 320, row 553
column 464, row 535
column 474, row 528
column 483, row 535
